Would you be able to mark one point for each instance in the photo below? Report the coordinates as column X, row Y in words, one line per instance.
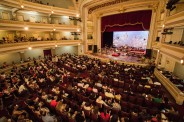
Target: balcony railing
column 18, row 25
column 39, row 7
column 173, row 90
column 175, row 20
column 13, row 47
column 174, row 51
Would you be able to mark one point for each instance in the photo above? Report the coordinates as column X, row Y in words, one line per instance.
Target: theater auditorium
column 91, row 60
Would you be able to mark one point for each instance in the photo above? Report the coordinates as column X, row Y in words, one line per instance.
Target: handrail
column 172, row 89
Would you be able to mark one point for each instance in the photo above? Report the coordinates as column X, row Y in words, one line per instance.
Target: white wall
column 9, row 57
column 33, row 53
column 66, row 49
column 168, row 38
column 179, row 70
column 177, row 35
column 168, row 62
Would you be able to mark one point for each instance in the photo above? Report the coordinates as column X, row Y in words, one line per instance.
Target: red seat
column 94, row 117
column 87, row 113
column 124, row 97
column 125, row 114
column 131, row 98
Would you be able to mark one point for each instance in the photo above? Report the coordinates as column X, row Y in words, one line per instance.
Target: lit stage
column 124, row 55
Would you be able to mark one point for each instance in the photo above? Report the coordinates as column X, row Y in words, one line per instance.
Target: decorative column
column 97, row 31
column 84, row 30
column 152, row 29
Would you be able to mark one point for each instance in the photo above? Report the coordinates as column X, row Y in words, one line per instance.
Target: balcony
column 175, row 20
column 18, row 25
column 173, row 50
column 173, row 90
column 16, row 47
column 39, row 7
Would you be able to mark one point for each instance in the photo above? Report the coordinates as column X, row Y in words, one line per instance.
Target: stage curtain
column 131, row 21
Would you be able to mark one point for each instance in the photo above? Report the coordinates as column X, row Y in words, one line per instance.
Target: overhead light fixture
column 26, row 28
column 30, row 48
column 22, row 6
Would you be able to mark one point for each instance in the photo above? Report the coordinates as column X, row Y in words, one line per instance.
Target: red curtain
column 131, row 21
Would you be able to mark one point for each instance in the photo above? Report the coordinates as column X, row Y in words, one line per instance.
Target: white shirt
column 21, row 88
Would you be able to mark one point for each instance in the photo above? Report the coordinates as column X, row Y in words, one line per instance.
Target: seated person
column 47, row 117
column 116, row 105
column 100, row 101
column 157, row 99
column 105, row 116
column 80, row 117
column 87, row 106
column 53, row 102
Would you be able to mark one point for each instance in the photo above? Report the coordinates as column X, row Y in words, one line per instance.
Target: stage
column 121, row 58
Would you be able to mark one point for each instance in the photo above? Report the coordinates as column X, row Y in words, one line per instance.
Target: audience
column 73, row 84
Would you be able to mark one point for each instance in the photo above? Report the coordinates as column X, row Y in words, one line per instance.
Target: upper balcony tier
column 173, row 50
column 17, row 47
column 30, row 6
column 175, row 20
column 18, row 25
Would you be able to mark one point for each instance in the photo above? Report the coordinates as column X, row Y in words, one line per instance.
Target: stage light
column 30, row 48
column 26, row 28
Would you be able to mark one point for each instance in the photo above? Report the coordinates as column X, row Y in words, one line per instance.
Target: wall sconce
column 77, row 15
column 22, row 6
column 181, row 61
column 30, row 48
column 26, row 28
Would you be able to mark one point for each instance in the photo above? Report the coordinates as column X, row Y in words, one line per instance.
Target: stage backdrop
column 131, row 21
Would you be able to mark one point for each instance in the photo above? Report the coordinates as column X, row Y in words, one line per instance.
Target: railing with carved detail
column 177, row 94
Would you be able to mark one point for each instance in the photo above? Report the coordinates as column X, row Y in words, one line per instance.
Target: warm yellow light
column 26, row 28
column 22, row 6
column 78, row 43
column 158, row 51
column 78, row 30
column 54, row 29
column 163, row 25
column 52, row 12
column 181, row 61
column 55, row 45
column 30, row 48
column 77, row 15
